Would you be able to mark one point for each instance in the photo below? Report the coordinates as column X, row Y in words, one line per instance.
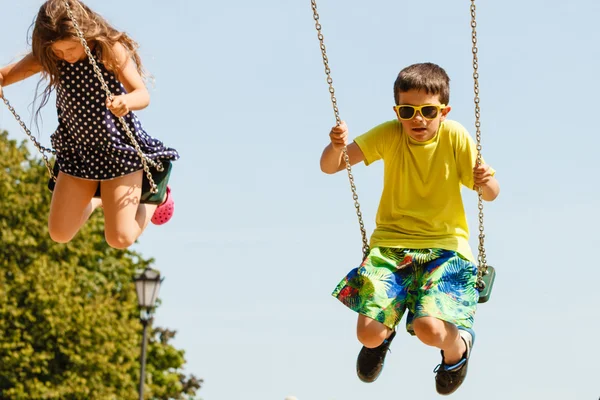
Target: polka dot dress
column 90, row 142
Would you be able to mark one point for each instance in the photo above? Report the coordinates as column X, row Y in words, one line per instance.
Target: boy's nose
column 418, row 116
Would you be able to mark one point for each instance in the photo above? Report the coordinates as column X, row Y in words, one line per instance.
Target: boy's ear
column 445, row 112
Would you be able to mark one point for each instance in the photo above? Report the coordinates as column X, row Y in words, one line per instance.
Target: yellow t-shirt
column 421, row 205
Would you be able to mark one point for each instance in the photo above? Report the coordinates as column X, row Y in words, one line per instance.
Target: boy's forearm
column 331, row 159
column 490, row 190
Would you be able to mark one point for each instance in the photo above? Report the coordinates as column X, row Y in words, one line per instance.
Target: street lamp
column 147, row 286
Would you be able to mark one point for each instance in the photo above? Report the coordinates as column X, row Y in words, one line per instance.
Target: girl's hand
column 339, row 136
column 118, row 106
column 481, row 175
column 1, row 93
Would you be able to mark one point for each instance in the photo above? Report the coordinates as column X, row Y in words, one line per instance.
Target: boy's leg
column 371, row 333
column 376, row 339
column 377, row 291
column 125, row 217
column 70, row 207
column 444, row 314
column 443, row 335
column 449, row 376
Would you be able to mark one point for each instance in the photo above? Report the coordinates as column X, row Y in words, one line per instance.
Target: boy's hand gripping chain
column 145, row 159
column 336, row 111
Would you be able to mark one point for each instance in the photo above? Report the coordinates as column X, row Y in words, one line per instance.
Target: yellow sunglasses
column 428, row 111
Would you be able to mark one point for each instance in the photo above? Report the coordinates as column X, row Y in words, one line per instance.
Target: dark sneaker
column 370, row 361
column 448, row 378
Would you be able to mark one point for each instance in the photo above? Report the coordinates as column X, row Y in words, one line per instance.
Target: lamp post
column 147, row 286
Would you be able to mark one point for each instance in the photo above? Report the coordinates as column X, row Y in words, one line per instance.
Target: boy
column 420, row 257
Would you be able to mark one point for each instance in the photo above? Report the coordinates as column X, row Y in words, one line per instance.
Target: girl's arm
column 137, row 97
column 16, row 72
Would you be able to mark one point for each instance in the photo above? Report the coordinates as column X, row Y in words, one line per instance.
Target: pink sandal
column 164, row 212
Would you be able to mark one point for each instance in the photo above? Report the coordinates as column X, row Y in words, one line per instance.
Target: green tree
column 69, row 325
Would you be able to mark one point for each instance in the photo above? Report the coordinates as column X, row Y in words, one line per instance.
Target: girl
column 93, row 150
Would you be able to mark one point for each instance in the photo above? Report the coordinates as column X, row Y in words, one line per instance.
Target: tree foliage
column 69, row 326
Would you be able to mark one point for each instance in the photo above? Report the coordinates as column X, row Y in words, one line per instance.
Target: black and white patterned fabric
column 90, row 142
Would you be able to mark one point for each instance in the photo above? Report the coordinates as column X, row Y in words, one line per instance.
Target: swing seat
column 161, row 179
column 488, row 281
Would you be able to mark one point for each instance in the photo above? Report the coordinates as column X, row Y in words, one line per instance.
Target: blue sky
column 260, row 236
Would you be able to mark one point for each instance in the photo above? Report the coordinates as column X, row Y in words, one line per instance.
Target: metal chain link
column 481, row 259
column 336, row 112
column 145, row 159
column 43, row 150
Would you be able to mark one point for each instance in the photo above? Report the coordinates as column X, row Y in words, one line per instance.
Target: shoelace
column 437, row 368
column 447, row 374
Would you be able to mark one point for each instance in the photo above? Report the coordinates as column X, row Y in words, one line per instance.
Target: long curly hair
column 53, row 24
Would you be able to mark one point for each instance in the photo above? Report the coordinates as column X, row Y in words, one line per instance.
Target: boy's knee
column 372, row 336
column 429, row 330
column 369, row 339
column 119, row 240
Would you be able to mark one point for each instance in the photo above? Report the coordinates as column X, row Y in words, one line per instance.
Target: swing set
column 485, row 273
column 151, row 192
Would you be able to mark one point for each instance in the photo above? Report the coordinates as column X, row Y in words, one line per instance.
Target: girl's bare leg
column 125, row 218
column 71, row 206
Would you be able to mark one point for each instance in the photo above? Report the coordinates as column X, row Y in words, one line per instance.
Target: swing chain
column 481, row 258
column 336, row 112
column 144, row 159
column 43, row 150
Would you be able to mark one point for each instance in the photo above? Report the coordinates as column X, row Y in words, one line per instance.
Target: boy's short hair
column 428, row 77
